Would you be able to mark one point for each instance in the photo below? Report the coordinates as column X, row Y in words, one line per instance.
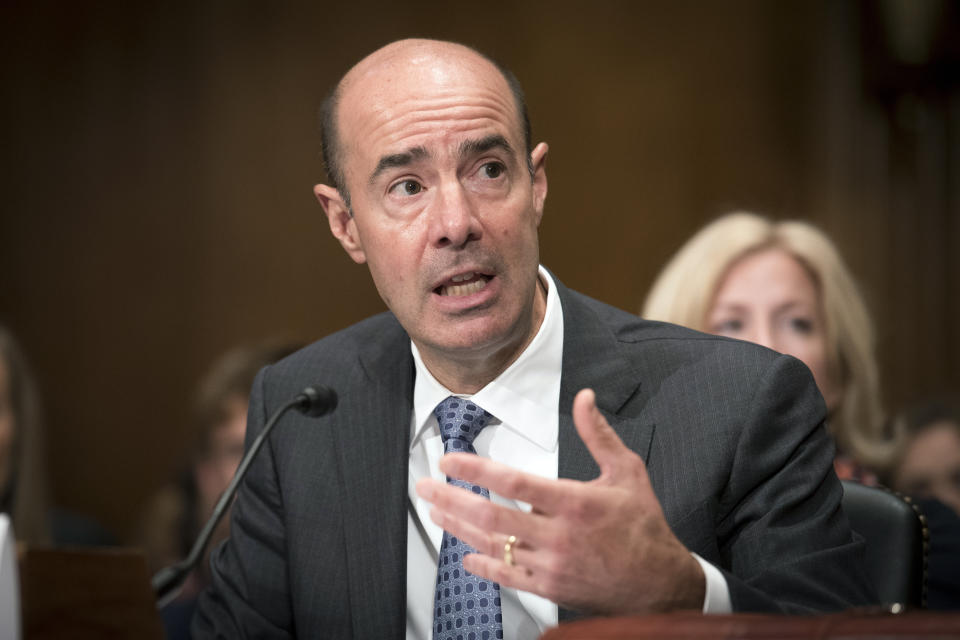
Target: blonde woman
column 784, row 285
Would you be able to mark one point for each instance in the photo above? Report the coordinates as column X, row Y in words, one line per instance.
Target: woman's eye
column 407, row 187
column 492, row 170
column 727, row 327
column 802, row 325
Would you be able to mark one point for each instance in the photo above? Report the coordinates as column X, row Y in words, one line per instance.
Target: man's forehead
column 413, row 85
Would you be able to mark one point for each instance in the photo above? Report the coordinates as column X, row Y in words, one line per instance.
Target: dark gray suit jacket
column 732, row 435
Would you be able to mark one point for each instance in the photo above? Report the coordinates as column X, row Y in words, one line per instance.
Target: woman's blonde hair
column 683, row 294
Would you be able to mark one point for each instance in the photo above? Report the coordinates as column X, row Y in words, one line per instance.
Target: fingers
column 490, row 561
column 488, row 544
column 519, row 576
column 483, row 524
column 601, row 440
column 480, row 540
column 525, row 571
column 545, row 496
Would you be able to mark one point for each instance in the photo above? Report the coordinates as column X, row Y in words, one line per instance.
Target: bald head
column 380, row 68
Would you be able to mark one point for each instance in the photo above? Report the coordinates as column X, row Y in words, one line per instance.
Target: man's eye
column 492, row 170
column 407, row 187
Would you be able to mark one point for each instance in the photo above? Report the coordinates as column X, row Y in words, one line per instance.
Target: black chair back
column 897, row 541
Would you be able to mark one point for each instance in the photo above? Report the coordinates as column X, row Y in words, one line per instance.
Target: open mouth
column 463, row 284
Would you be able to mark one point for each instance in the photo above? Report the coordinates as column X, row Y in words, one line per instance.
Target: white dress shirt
column 524, row 401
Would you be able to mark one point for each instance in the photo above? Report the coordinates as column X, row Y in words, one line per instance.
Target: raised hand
column 602, row 546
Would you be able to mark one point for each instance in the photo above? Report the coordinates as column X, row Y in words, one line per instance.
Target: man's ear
column 538, row 159
column 342, row 225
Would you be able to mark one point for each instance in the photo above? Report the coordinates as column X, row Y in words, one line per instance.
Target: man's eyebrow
column 473, row 147
column 403, row 159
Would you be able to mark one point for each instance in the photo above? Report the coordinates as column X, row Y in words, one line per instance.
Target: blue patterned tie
column 467, row 607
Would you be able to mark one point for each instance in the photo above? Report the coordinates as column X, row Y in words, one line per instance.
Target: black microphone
column 314, row 401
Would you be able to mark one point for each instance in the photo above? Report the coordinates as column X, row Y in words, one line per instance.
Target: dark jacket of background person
column 943, row 559
column 927, row 468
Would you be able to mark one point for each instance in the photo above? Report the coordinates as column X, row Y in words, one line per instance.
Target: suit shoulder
column 664, row 336
column 338, row 358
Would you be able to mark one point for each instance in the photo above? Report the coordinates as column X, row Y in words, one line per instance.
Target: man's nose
column 454, row 220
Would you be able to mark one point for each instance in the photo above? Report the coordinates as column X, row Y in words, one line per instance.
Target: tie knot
column 460, row 421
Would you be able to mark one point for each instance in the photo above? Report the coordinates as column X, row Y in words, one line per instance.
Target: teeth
column 465, row 289
column 465, row 276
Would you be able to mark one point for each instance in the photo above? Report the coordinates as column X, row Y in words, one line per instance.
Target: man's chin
column 471, row 337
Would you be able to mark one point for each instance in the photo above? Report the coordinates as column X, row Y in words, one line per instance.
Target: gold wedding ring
column 508, row 550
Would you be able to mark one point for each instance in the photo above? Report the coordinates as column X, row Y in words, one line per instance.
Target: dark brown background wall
column 158, row 160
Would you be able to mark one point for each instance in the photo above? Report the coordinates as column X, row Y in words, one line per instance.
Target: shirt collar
column 524, row 398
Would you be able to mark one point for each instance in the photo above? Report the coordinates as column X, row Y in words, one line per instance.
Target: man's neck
column 468, row 373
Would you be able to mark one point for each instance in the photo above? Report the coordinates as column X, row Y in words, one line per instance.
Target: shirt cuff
column 717, row 594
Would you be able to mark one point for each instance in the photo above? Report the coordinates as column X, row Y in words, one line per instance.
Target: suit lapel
column 594, row 358
column 373, row 443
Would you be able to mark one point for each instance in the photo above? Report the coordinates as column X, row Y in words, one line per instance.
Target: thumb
column 601, row 440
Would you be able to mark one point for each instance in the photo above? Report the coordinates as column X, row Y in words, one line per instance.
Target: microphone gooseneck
column 314, row 401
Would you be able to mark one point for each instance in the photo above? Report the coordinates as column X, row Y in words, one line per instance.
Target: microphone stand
column 167, row 582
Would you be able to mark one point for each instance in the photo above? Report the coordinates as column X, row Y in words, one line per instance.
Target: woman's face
column 768, row 297
column 931, row 465
column 6, row 425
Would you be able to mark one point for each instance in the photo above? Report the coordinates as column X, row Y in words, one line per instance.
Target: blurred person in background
column 178, row 511
column 927, row 464
column 23, row 481
column 927, row 468
column 23, row 475
column 785, row 286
